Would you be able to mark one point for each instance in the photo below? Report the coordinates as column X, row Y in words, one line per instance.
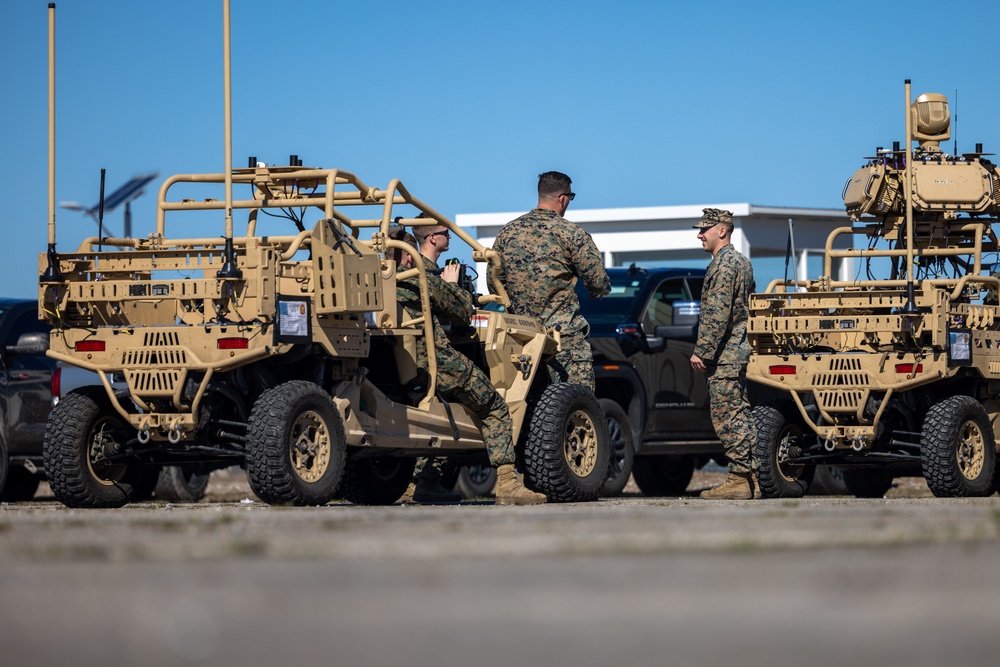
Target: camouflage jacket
column 449, row 303
column 725, row 301
column 542, row 256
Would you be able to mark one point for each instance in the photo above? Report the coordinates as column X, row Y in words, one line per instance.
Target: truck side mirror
column 36, row 342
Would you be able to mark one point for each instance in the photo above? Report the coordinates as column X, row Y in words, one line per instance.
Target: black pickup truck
column 25, row 397
column 643, row 335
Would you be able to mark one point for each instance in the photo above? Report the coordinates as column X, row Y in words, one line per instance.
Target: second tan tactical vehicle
column 901, row 374
column 285, row 350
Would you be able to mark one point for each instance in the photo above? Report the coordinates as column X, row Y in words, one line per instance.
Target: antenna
column 954, row 127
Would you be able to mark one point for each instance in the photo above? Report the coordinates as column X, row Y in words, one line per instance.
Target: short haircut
column 553, row 183
column 422, row 232
column 400, row 234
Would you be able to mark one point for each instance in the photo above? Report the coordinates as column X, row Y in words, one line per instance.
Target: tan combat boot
column 738, row 486
column 511, row 491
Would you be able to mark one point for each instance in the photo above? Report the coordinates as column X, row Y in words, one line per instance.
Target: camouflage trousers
column 574, row 363
column 458, row 379
column 731, row 418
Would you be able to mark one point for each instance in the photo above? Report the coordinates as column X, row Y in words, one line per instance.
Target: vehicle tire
column 828, row 481
column 181, row 484
column 663, row 475
column 777, row 425
column 377, row 480
column 566, row 453
column 4, row 465
column 957, row 451
column 143, row 481
column 83, row 430
column 622, row 444
column 295, row 445
column 476, row 481
column 867, row 482
column 21, row 484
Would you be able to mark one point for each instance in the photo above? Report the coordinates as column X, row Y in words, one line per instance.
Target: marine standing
column 722, row 351
column 542, row 257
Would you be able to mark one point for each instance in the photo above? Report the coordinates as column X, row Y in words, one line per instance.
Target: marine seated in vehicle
column 460, row 379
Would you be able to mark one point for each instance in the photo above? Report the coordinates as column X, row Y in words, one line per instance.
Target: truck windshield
column 617, row 305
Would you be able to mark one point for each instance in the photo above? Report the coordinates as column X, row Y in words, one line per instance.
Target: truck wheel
column 476, row 481
column 867, row 482
column 829, row 481
column 566, row 453
column 21, row 485
column 83, row 431
column 378, row 480
column 181, row 484
column 958, row 452
column 778, row 425
column 295, row 445
column 622, row 448
column 663, row 475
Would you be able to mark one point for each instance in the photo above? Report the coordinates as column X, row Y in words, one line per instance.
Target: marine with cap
column 722, row 351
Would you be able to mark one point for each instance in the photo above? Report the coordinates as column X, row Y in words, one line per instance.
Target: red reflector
column 56, row 383
column 782, row 370
column 233, row 343
column 89, row 346
column 610, row 368
column 908, row 368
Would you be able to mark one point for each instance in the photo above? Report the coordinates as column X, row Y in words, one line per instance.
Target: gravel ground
column 906, row 580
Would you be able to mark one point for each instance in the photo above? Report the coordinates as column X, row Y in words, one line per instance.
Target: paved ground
column 905, row 580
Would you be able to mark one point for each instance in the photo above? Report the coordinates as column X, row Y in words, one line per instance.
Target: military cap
column 713, row 216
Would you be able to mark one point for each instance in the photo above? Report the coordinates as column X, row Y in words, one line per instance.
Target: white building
column 663, row 236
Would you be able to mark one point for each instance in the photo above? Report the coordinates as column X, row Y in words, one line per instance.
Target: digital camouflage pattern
column 725, row 299
column 542, row 257
column 457, row 377
column 722, row 344
column 731, row 415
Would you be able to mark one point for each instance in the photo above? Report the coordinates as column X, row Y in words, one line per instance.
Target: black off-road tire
column 181, row 484
column 867, row 482
column 21, row 485
column 662, row 474
column 958, row 451
column 622, row 442
column 829, row 481
column 377, row 480
column 776, row 424
column 295, row 445
column 476, row 481
column 566, row 452
column 77, row 427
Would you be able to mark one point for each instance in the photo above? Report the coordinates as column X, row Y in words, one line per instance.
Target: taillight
column 782, row 369
column 89, row 346
column 57, row 382
column 233, row 343
column 907, row 369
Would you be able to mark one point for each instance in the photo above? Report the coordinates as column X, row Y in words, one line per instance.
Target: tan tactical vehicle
column 892, row 376
column 285, row 350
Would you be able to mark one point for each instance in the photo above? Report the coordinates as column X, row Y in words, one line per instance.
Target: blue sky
column 642, row 103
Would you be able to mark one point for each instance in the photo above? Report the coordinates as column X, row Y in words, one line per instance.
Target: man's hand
column 697, row 364
column 449, row 273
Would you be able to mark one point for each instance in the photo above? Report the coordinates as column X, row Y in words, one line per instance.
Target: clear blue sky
column 642, row 103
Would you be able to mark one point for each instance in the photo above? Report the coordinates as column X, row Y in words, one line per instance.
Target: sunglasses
column 445, row 233
column 569, row 195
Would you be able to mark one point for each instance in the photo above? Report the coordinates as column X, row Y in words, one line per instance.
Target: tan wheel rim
column 100, row 441
column 971, row 450
column 310, row 449
column 790, row 472
column 580, row 444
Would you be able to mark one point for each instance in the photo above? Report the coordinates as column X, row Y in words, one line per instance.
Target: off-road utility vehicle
column 284, row 349
column 900, row 374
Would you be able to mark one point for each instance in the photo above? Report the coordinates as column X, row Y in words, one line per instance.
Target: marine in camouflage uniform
column 461, row 380
column 542, row 257
column 722, row 350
